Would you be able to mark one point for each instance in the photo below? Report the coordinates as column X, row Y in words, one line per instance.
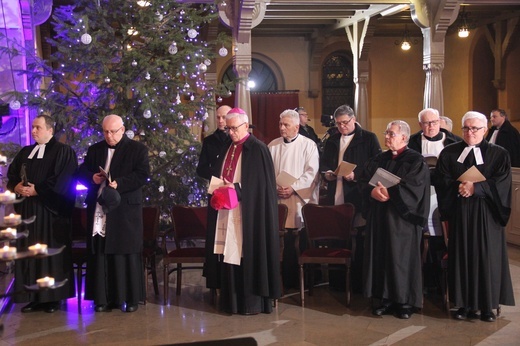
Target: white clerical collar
column 40, row 148
column 476, row 151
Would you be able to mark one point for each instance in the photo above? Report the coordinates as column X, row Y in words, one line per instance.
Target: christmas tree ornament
column 207, row 62
column 130, row 134
column 107, row 80
column 219, row 99
column 14, row 105
column 203, row 67
column 192, row 97
column 86, row 38
column 192, row 33
column 134, row 63
column 206, row 115
column 147, row 114
column 223, row 52
column 178, row 99
column 132, row 31
column 147, row 76
column 186, row 86
column 173, row 49
column 161, row 188
column 162, row 154
column 159, row 16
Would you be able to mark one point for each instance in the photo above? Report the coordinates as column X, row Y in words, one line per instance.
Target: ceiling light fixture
column 463, row 24
column 406, row 43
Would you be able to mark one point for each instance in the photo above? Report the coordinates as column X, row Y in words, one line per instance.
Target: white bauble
column 130, row 134
column 192, row 33
column 223, row 52
column 15, row 105
column 86, row 38
column 147, row 114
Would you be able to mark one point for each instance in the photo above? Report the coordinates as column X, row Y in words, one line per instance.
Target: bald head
column 113, row 129
column 221, row 116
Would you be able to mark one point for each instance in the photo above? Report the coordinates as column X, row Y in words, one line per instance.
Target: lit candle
column 45, row 282
column 38, row 249
column 7, row 252
column 7, row 196
column 9, row 233
column 12, row 219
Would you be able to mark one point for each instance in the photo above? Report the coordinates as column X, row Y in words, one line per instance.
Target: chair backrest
column 150, row 224
column 325, row 223
column 282, row 216
column 189, row 223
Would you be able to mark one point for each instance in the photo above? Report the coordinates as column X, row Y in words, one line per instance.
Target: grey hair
column 426, row 111
column 242, row 117
column 404, row 128
column 448, row 121
column 290, row 113
column 475, row 115
column 344, row 110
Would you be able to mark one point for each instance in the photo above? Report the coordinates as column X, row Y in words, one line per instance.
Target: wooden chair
column 79, row 247
column 327, row 227
column 150, row 247
column 189, row 233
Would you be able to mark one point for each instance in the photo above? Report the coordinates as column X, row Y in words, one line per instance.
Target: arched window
column 337, row 82
column 261, row 74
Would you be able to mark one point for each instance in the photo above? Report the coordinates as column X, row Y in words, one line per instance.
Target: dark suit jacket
column 508, row 138
column 130, row 168
column 211, row 148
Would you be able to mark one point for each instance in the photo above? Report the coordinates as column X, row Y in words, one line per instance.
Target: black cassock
column 392, row 257
column 478, row 267
column 52, row 176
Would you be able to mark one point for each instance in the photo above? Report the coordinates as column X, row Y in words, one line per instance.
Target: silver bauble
column 86, row 38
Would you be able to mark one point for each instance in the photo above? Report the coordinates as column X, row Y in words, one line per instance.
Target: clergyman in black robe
column 477, row 213
column 395, row 218
column 242, row 245
column 49, row 195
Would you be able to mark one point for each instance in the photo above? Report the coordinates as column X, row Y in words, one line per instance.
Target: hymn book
column 214, row 184
column 473, row 175
column 344, row 169
column 384, row 177
column 285, row 179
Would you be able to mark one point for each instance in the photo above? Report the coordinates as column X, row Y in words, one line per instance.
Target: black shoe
column 461, row 314
column 487, row 316
column 405, row 313
column 103, row 308
column 32, row 307
column 52, row 307
column 473, row 314
column 131, row 307
column 382, row 310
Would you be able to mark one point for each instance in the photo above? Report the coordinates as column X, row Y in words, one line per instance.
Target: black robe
column 508, row 138
column 363, row 146
column 209, row 154
column 114, row 266
column 259, row 273
column 53, row 180
column 392, row 256
column 478, row 267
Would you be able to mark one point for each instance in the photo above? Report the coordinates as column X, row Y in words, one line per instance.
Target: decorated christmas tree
column 145, row 61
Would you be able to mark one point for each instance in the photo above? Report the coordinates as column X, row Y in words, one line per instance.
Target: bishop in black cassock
column 244, row 263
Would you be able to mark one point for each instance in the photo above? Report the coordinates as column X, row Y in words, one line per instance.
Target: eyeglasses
column 430, row 123
column 390, row 134
column 473, row 129
column 112, row 132
column 344, row 123
column 233, row 128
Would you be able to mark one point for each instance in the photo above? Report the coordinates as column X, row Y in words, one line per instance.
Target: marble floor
column 191, row 318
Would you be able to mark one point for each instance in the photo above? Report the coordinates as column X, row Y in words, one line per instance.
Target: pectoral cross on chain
column 230, row 166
